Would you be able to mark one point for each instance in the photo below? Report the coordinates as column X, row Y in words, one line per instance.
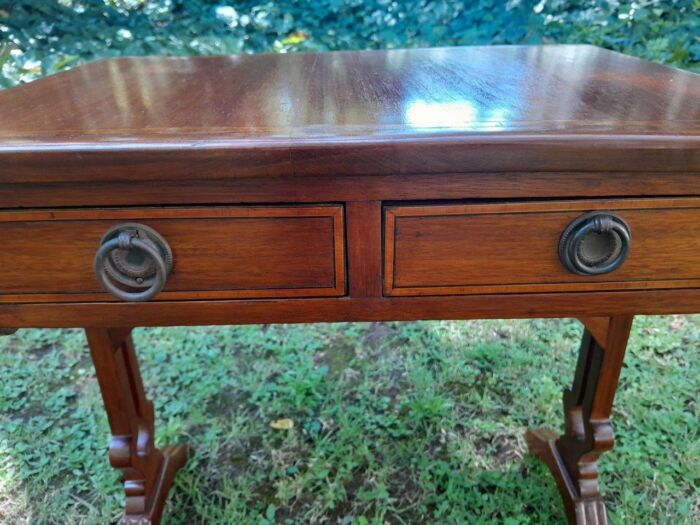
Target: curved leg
column 148, row 471
column 572, row 457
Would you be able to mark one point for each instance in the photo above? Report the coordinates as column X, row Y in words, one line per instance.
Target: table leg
column 572, row 457
column 148, row 471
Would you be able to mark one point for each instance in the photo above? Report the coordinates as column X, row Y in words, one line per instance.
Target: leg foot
column 580, row 511
column 148, row 471
column 573, row 457
column 174, row 458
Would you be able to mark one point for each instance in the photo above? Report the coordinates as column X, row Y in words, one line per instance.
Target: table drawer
column 515, row 247
column 218, row 252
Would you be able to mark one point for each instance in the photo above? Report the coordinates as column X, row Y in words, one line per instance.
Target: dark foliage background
column 39, row 37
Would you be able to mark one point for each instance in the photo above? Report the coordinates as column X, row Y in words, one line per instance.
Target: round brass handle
column 133, row 262
column 595, row 244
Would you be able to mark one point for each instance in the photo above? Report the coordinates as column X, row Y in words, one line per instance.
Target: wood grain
column 364, row 248
column 292, row 251
column 147, row 471
column 308, row 189
column 512, row 247
column 322, row 310
column 573, row 457
column 543, row 108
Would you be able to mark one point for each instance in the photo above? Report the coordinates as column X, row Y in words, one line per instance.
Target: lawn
column 391, row 423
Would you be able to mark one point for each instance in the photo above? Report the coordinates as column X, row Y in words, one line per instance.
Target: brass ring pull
column 594, row 244
column 135, row 257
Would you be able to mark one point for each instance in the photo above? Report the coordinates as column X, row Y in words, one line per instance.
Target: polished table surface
column 305, row 113
column 453, row 183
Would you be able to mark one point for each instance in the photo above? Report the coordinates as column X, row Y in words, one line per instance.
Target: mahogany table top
column 475, row 108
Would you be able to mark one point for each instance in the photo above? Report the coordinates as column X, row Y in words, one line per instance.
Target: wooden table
column 462, row 183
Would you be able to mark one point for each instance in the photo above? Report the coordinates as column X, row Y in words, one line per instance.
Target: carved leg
column 572, row 457
column 148, row 471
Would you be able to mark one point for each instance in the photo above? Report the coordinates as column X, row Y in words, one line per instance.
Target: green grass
column 413, row 423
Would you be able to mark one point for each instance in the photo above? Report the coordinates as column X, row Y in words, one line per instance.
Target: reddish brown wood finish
column 573, row 457
column 365, row 248
column 268, row 175
column 305, row 189
column 354, row 113
column 148, row 471
column 322, row 310
column 512, row 247
column 219, row 253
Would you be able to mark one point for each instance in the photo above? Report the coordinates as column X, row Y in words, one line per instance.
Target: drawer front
column 218, row 252
column 513, row 247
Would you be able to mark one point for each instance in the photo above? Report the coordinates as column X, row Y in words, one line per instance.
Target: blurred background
column 348, row 424
column 39, row 37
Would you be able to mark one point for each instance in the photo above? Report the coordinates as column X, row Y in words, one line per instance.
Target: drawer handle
column 137, row 258
column 595, row 243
